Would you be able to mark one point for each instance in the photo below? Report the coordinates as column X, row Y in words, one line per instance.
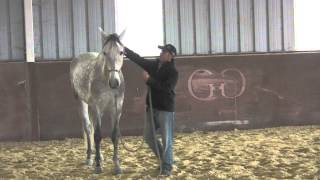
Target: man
column 161, row 76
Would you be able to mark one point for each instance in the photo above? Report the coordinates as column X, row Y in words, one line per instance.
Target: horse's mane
column 113, row 38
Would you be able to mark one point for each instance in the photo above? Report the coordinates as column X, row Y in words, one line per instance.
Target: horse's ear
column 122, row 33
column 103, row 34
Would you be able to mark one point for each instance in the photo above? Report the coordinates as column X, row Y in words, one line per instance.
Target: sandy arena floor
column 276, row 153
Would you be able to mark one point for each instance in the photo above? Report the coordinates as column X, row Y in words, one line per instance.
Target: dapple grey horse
column 98, row 82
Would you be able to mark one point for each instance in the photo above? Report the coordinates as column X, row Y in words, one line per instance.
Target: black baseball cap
column 170, row 48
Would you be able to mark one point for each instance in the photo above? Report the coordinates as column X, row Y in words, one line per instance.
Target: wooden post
column 30, row 71
column 28, row 27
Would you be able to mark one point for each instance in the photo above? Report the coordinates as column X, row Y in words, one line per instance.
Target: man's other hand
column 145, row 76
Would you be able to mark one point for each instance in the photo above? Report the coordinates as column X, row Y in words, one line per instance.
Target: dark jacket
column 162, row 81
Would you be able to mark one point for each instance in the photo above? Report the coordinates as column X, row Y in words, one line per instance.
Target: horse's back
column 80, row 69
column 83, row 59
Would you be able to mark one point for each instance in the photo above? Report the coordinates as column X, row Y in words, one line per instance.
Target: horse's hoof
column 117, row 171
column 89, row 162
column 98, row 170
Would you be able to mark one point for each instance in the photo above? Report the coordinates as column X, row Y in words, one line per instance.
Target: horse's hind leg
column 87, row 128
column 95, row 116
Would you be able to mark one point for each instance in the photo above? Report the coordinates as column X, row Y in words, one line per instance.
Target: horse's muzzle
column 114, row 83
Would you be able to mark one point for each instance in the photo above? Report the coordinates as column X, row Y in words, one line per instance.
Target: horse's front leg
column 97, row 141
column 97, row 137
column 115, row 140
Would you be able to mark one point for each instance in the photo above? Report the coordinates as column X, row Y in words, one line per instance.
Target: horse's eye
column 104, row 53
column 121, row 53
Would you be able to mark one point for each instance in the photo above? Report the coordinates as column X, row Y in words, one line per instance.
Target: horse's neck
column 99, row 60
column 101, row 64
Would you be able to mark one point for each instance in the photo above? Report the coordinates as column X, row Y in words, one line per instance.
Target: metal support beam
column 28, row 29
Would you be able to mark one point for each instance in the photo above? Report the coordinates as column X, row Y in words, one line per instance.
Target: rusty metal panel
column 4, row 30
column 79, row 24
column 260, row 25
column 48, row 26
column 36, row 8
column 17, row 29
column 187, row 27
column 202, row 26
column 217, row 26
column 55, row 75
column 57, row 111
column 213, row 93
column 109, row 16
column 227, row 92
column 288, row 25
column 65, row 28
column 95, row 21
column 57, row 108
column 231, row 26
column 14, row 122
column 240, row 92
column 246, row 26
column 171, row 23
column 275, row 25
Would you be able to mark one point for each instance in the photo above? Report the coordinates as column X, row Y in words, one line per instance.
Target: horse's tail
column 75, row 95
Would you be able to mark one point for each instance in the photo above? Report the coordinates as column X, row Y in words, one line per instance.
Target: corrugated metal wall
column 65, row 28
column 12, row 46
column 62, row 28
column 229, row 26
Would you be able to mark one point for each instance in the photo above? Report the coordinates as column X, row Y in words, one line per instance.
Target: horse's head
column 112, row 52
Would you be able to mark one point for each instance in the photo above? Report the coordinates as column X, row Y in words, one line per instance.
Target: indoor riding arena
column 247, row 96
